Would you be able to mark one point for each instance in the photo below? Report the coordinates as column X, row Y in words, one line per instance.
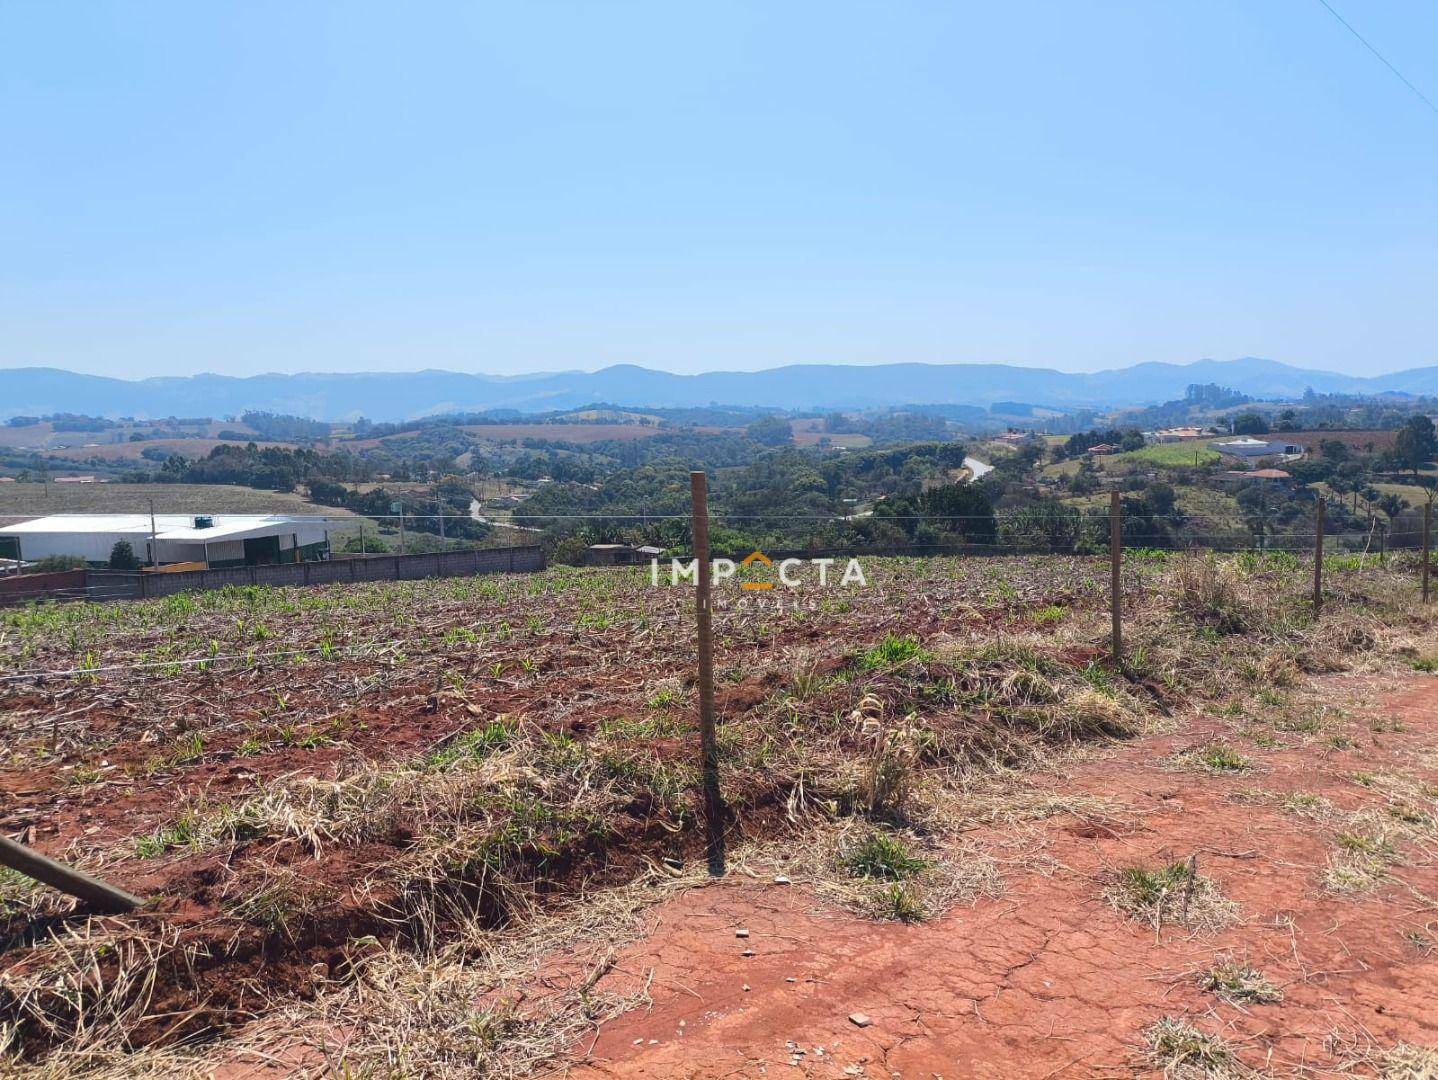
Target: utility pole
column 398, row 508
column 154, row 542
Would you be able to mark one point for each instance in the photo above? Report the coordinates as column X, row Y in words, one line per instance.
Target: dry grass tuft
column 1180, row 1050
column 1407, row 1062
column 1216, row 758
column 1212, row 593
column 1403, row 1061
column 1240, row 983
column 91, row 988
column 1175, row 893
column 1363, row 853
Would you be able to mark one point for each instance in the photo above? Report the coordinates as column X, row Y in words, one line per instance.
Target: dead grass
column 1215, row 758
column 1182, row 1051
column 1403, row 1061
column 1238, row 982
column 1213, row 593
column 920, row 710
column 1175, row 893
column 899, row 876
column 1362, row 854
column 89, row 987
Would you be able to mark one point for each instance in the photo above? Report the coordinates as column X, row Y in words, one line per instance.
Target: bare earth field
column 133, row 451
column 449, row 828
column 33, row 500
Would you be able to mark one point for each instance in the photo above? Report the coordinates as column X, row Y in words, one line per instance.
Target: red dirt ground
column 1047, row 980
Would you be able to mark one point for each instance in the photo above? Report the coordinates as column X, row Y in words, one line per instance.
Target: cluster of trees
column 783, row 498
column 273, row 468
column 1075, row 445
column 282, row 426
column 889, row 427
column 64, row 422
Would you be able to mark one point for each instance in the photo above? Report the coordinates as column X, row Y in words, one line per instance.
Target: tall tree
column 1416, row 444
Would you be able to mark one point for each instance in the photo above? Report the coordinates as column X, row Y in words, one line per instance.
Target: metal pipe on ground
column 98, row 894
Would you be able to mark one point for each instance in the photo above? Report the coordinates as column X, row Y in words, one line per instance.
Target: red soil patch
column 1355, row 440
column 1047, row 980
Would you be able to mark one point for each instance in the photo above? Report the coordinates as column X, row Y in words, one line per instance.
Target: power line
column 1369, row 46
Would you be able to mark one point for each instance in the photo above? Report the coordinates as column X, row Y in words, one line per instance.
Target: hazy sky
column 509, row 187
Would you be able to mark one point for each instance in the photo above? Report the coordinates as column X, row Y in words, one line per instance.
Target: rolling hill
column 405, row 395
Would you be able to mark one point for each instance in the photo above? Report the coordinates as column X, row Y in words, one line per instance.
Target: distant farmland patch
column 575, row 433
column 1355, row 440
column 1172, row 455
column 810, row 429
column 132, row 451
column 35, row 500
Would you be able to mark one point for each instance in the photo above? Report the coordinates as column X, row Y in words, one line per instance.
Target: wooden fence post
column 708, row 740
column 1318, row 557
column 100, row 896
column 1427, row 538
column 1115, row 556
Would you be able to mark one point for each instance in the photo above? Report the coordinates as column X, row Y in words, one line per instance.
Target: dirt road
column 1324, row 842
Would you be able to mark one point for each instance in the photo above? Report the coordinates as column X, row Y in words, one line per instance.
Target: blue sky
column 518, row 187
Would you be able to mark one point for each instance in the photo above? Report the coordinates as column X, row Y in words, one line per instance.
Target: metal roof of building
column 167, row 526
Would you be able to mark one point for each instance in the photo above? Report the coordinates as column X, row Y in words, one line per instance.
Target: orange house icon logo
column 756, row 558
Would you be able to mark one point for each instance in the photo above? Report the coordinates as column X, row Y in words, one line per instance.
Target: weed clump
column 1175, row 893
column 1212, row 594
column 1179, row 1049
column 1241, row 983
column 1361, row 859
column 882, row 856
column 474, row 745
column 892, row 651
column 1216, row 758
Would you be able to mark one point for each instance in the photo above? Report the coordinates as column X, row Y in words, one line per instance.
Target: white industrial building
column 214, row 540
column 1248, row 447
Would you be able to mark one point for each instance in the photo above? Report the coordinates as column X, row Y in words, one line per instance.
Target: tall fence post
column 93, row 891
column 1318, row 557
column 1427, row 539
column 708, row 740
column 1115, row 557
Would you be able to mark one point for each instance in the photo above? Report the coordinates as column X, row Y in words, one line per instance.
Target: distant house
column 1249, row 447
column 1174, row 434
column 611, row 555
column 1102, row 449
column 1234, row 478
column 77, row 480
column 1015, row 438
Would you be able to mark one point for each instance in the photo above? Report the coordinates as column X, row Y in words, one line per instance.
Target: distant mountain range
column 406, row 395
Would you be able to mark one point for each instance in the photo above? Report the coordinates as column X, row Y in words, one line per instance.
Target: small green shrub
column 891, row 652
column 884, row 857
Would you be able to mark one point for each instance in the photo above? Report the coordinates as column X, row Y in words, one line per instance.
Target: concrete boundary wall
column 124, row 585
